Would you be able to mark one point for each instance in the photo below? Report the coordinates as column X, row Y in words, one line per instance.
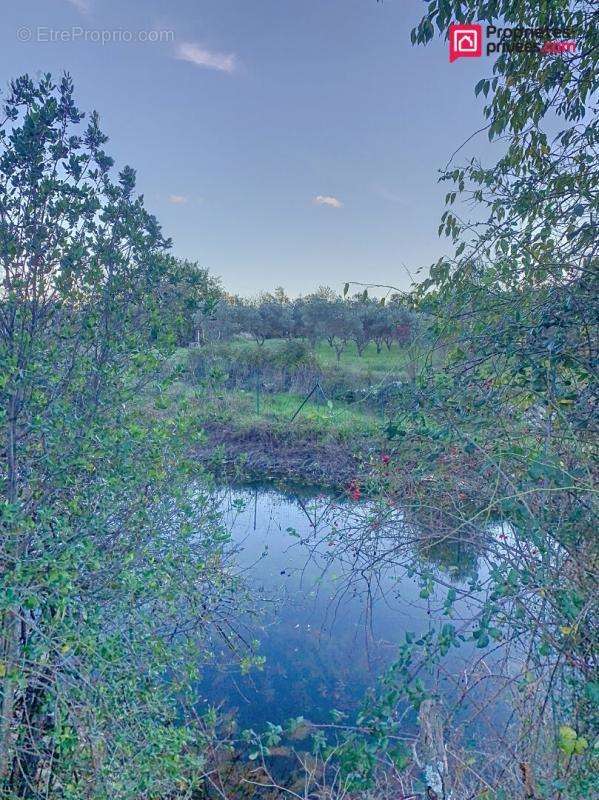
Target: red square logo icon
column 465, row 41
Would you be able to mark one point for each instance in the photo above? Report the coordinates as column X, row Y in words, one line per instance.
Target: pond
column 329, row 624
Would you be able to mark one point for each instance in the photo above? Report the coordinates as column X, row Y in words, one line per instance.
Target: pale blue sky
column 253, row 110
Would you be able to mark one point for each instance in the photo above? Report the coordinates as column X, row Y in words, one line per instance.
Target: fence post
column 431, row 752
column 304, row 401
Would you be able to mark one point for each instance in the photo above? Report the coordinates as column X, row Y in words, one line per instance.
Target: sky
column 279, row 142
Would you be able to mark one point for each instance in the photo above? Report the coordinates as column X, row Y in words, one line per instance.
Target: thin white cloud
column 386, row 194
column 327, row 200
column 177, row 199
column 195, row 54
column 83, row 6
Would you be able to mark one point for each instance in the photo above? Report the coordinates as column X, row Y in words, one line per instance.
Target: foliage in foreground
column 113, row 563
column 514, row 413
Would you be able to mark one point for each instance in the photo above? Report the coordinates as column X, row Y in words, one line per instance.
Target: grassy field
column 267, row 433
column 276, row 411
column 393, row 362
column 320, row 416
column 323, row 418
column 338, row 419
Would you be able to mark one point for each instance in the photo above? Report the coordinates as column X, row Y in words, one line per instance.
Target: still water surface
column 326, row 634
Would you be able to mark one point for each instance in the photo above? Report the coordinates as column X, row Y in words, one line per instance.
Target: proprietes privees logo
column 466, row 41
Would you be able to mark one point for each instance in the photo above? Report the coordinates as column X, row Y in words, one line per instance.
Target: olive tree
column 315, row 312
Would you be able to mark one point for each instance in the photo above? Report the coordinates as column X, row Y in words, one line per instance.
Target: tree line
column 321, row 316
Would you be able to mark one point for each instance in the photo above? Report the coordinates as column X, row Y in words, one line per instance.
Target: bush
column 296, row 353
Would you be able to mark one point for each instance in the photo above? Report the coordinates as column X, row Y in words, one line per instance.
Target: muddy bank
column 264, row 454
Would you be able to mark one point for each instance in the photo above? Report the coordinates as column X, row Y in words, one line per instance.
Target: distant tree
column 219, row 325
column 402, row 323
column 377, row 323
column 294, row 321
column 273, row 310
column 361, row 333
column 389, row 338
column 405, row 327
column 315, row 313
column 341, row 325
column 250, row 321
column 358, row 306
column 281, row 296
column 326, row 293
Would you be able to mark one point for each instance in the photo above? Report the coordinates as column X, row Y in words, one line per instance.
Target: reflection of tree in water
column 307, row 671
column 437, row 544
column 431, row 534
column 456, row 558
column 372, row 538
column 349, row 587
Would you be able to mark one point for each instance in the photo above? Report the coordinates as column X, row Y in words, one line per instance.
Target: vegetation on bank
column 289, row 411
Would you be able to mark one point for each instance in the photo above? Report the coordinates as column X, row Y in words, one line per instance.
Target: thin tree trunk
column 10, row 637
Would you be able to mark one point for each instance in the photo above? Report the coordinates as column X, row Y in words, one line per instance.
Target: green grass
column 337, row 418
column 238, row 408
column 393, row 362
column 276, row 411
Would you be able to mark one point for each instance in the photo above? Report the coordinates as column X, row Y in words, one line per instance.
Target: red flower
column 385, row 458
column 354, row 490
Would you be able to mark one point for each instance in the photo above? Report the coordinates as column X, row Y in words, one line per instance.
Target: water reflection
column 335, row 611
